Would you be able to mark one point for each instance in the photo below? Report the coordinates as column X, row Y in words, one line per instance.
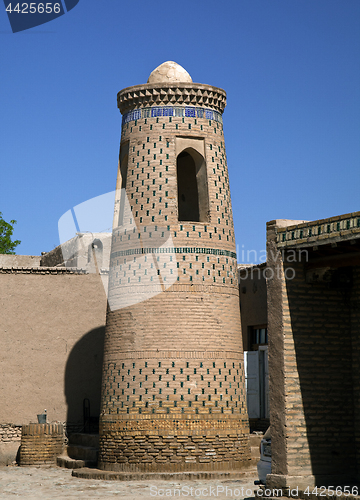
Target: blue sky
column 292, row 122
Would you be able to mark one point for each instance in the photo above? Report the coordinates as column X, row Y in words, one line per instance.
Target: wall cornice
column 189, row 94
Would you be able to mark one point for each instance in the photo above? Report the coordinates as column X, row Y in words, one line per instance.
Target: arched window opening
column 193, row 203
column 124, row 158
column 188, row 199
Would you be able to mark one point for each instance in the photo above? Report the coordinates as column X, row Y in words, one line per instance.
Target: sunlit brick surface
column 173, row 394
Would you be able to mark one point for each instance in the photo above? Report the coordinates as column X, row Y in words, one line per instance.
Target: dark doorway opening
column 193, row 204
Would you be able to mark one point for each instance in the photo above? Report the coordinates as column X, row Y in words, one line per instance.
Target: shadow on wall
column 83, row 374
column 321, row 325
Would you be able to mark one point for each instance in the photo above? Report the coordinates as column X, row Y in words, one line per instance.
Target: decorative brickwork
column 174, row 453
column 41, row 443
column 41, row 270
column 335, row 229
column 173, row 396
column 171, row 94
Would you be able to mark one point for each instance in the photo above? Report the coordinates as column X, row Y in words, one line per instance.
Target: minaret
column 173, row 393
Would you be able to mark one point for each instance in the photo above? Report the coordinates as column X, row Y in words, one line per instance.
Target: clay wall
column 19, row 260
column 51, row 346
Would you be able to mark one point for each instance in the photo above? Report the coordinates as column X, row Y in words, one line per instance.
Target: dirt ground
column 45, row 483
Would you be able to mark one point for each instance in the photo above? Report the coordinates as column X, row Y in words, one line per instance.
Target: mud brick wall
column 173, row 453
column 9, row 433
column 10, row 437
column 41, row 443
column 51, row 341
column 319, row 388
column 313, row 359
column 355, row 335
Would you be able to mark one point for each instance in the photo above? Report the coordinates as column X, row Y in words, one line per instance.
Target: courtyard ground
column 45, row 483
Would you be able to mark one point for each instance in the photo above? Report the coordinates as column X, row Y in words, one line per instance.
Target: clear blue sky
column 292, row 122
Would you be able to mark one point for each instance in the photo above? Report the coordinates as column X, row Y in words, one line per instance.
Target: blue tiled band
column 177, row 111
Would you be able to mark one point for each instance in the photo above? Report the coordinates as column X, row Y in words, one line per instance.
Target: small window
column 258, row 335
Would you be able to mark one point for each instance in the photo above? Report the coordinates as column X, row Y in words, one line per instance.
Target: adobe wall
column 19, row 260
column 313, row 360
column 51, row 346
column 79, row 252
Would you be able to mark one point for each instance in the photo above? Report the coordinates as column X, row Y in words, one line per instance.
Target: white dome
column 169, row 72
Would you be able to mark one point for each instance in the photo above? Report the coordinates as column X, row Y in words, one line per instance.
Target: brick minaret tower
column 173, row 395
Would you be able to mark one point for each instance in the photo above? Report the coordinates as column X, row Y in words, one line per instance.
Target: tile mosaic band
column 209, row 251
column 177, row 111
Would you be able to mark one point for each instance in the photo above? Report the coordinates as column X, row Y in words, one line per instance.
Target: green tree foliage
column 6, row 230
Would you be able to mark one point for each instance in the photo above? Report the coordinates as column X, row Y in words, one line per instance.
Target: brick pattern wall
column 211, row 323
column 41, row 443
column 318, row 380
column 9, row 433
column 152, row 168
column 313, row 359
column 41, row 270
column 173, row 394
column 170, row 452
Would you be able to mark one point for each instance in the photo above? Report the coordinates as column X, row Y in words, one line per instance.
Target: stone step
column 255, row 439
column 78, row 452
column 82, row 439
column 71, row 463
column 249, row 473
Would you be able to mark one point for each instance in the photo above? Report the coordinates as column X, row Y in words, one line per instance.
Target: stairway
column 82, row 451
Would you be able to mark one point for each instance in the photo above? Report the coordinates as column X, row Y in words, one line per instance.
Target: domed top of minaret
column 170, row 85
column 169, row 72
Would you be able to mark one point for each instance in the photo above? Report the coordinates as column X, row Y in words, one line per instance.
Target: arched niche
column 192, row 186
column 123, row 161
